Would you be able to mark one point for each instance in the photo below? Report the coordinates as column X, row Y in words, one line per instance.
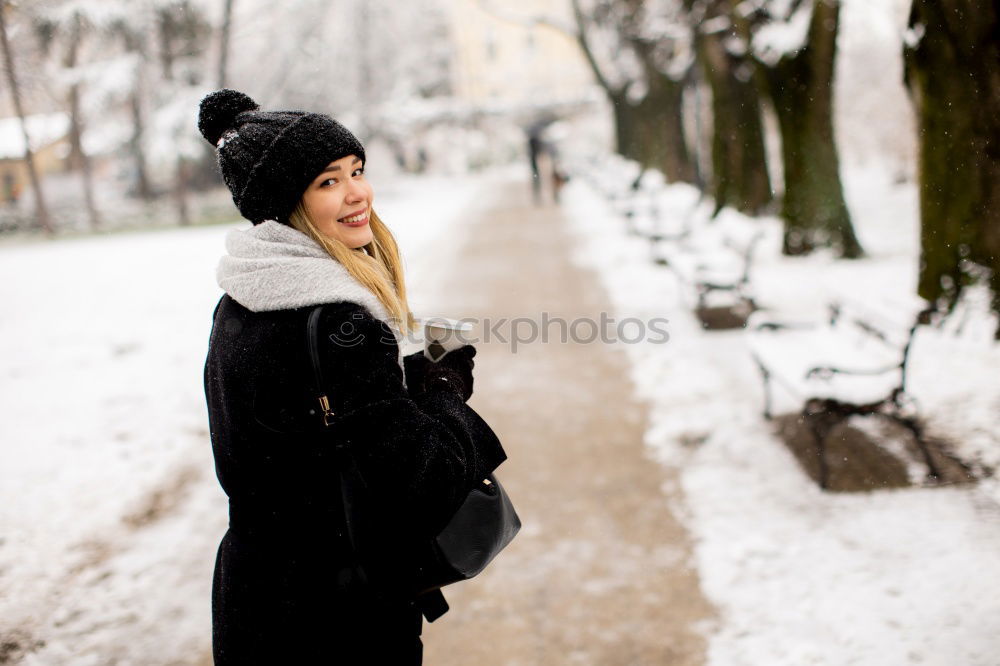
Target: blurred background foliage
column 97, row 115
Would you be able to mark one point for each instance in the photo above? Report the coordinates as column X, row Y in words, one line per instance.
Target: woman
column 284, row 590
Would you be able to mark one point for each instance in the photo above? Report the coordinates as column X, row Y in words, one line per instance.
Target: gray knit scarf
column 272, row 266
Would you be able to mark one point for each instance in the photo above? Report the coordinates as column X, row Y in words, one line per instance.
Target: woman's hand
column 415, row 366
column 452, row 372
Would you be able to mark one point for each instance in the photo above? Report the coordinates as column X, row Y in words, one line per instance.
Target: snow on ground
column 426, row 216
column 105, row 340
column 800, row 576
column 110, row 513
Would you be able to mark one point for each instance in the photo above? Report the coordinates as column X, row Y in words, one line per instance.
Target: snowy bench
column 640, row 205
column 717, row 271
column 852, row 363
column 612, row 176
column 672, row 228
column 631, row 190
column 637, row 194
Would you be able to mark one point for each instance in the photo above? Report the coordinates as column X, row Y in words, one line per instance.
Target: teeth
column 356, row 218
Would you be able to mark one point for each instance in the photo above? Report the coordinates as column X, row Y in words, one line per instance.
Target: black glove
column 453, row 372
column 415, row 367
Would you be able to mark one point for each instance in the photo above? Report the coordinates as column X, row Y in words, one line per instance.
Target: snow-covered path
column 601, row 572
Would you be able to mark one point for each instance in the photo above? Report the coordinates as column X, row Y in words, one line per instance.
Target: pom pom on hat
column 218, row 112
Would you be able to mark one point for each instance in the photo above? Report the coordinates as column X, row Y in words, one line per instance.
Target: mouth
column 355, row 219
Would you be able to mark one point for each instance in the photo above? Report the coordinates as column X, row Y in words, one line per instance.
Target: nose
column 355, row 191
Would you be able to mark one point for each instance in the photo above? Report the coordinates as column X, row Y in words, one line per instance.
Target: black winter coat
column 276, row 596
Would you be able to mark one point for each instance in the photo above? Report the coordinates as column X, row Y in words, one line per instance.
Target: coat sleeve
column 424, row 453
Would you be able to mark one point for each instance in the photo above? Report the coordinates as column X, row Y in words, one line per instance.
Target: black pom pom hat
column 268, row 158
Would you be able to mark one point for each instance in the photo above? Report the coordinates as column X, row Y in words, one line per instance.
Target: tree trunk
column 180, row 193
column 227, row 23
column 650, row 132
column 659, row 116
column 801, row 87
column 954, row 83
column 78, row 157
column 166, row 29
column 41, row 211
column 142, row 186
column 660, row 129
column 81, row 160
column 625, row 143
column 133, row 44
column 739, row 159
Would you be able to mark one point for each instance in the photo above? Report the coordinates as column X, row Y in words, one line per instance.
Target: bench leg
column 768, row 415
column 821, row 420
column 824, row 467
column 917, row 430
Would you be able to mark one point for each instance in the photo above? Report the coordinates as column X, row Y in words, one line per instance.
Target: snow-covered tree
column 63, row 30
column 951, row 56
column 794, row 43
column 11, row 78
column 641, row 54
column 126, row 65
column 739, row 159
column 354, row 59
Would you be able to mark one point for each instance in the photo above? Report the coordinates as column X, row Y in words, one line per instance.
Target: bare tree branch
column 581, row 38
column 529, row 21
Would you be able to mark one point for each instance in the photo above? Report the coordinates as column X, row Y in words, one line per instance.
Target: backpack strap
column 346, row 468
column 313, row 334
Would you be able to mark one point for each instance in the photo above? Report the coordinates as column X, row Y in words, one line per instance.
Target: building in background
column 503, row 56
column 510, row 76
column 49, row 134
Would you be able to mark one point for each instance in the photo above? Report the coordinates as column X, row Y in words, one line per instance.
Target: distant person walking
column 535, row 148
column 284, row 590
column 542, row 152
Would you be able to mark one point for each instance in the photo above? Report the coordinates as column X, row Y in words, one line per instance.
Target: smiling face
column 339, row 202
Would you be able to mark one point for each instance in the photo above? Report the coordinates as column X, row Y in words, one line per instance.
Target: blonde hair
column 377, row 265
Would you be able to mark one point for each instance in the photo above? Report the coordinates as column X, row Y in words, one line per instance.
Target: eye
column 328, row 182
column 359, row 171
